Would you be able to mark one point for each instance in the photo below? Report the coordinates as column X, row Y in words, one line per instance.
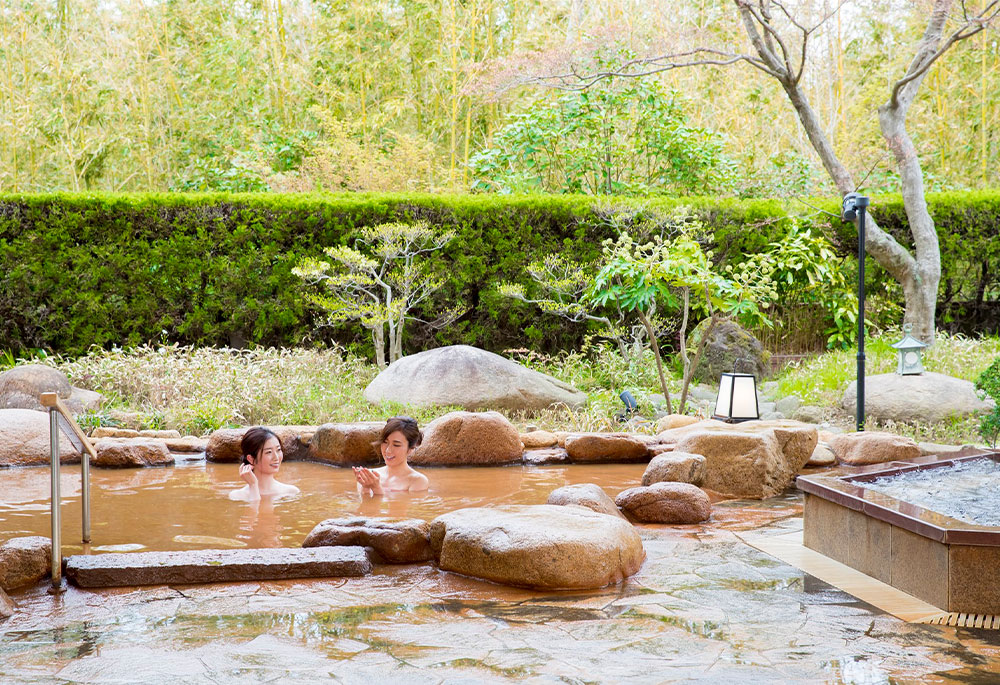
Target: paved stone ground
column 704, row 608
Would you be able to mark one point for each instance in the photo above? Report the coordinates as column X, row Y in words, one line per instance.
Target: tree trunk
column 656, row 354
column 918, row 276
column 689, row 373
column 396, row 343
column 378, row 339
column 683, row 346
column 920, row 283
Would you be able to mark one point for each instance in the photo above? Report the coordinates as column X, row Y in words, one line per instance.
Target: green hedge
column 84, row 269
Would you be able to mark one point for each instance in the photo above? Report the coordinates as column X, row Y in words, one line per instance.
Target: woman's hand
column 368, row 480
column 247, row 474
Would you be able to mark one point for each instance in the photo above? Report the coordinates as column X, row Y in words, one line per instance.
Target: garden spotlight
column 631, row 406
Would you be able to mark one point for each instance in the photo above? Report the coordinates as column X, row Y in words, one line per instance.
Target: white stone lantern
column 910, row 350
column 737, row 399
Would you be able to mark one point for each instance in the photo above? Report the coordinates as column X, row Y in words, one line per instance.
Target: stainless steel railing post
column 56, row 499
column 85, row 494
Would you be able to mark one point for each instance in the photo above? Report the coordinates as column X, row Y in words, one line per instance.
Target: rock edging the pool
column 757, row 459
column 537, row 546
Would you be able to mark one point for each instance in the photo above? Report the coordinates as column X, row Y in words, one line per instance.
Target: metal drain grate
column 960, row 620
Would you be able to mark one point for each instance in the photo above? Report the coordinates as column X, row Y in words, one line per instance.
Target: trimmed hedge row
column 209, row 269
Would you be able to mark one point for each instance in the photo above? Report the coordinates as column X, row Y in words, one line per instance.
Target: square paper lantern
column 737, row 400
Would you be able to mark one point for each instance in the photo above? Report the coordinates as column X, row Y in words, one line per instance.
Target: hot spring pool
column 186, row 506
column 928, row 528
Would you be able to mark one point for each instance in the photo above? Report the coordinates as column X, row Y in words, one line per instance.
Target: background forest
column 286, row 95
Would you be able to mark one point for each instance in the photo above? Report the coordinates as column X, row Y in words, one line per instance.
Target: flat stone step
column 215, row 566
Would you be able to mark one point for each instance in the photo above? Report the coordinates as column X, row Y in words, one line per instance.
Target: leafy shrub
column 620, row 137
column 989, row 384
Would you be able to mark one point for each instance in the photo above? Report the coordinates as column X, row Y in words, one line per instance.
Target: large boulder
column 675, row 467
column 728, row 342
column 188, row 444
column 671, row 421
column 822, row 456
column 541, row 546
column 113, row 432
column 464, row 376
column 677, row 503
column 756, row 459
column 586, row 495
column 346, row 444
column 873, row 447
column 547, row 455
column 24, row 561
column 169, row 434
column 82, row 401
column 602, row 448
column 120, row 454
column 24, row 439
column 462, row 438
column 224, row 444
column 925, row 398
column 22, row 386
column 397, row 541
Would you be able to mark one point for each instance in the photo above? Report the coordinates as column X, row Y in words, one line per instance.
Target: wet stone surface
column 214, row 565
column 705, row 607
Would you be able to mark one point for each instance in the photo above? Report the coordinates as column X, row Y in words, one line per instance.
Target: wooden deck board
column 789, row 548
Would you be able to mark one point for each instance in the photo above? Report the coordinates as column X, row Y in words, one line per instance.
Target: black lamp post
column 854, row 208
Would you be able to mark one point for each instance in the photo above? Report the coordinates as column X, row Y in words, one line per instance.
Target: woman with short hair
column 399, row 438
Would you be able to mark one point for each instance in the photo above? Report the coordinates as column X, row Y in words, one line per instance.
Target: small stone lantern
column 909, row 349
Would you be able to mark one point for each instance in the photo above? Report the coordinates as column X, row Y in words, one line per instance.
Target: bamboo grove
column 131, row 95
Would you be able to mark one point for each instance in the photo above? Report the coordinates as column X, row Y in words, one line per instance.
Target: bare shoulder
column 418, row 482
column 241, row 494
column 287, row 489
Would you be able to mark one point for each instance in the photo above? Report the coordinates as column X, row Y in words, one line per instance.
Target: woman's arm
column 250, row 478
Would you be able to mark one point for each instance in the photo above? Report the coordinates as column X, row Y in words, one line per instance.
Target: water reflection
column 186, row 506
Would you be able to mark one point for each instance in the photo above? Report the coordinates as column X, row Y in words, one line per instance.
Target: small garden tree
column 678, row 274
column 989, row 384
column 379, row 284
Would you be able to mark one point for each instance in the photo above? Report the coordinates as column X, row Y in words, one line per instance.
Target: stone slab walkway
column 215, row 566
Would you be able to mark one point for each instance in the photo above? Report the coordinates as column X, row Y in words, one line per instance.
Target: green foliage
column 112, row 269
column 989, row 384
column 221, row 175
column 808, row 273
column 619, row 137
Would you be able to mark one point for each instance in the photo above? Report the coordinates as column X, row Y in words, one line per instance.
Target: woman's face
column 395, row 448
column 269, row 458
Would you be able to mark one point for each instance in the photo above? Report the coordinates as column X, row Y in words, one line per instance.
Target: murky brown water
column 187, row 507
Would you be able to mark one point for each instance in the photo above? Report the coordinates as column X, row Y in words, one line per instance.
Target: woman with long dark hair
column 262, row 457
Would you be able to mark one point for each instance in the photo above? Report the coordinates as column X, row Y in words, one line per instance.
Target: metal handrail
column 61, row 418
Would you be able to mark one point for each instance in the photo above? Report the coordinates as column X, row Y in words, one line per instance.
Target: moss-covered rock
column 728, row 342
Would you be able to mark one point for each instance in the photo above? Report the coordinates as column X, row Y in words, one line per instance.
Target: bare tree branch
column 927, row 55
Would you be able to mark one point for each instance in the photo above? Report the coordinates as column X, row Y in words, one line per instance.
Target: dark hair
column 405, row 425
column 253, row 441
